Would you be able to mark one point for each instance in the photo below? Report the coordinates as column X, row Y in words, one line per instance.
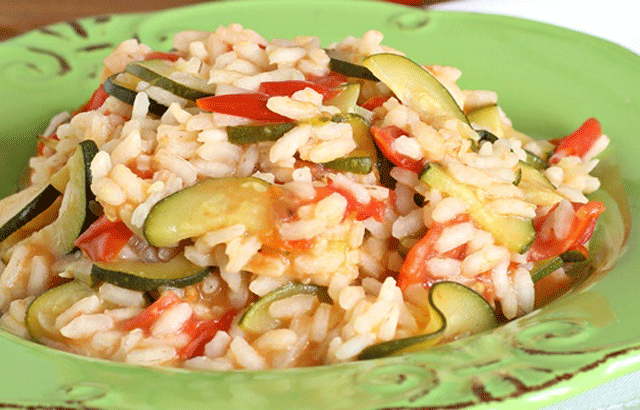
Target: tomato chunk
column 97, row 99
column 202, row 331
column 250, row 105
column 582, row 227
column 414, row 269
column 579, row 142
column 145, row 319
column 384, row 138
column 104, row 239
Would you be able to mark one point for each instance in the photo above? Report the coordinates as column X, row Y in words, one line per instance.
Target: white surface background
column 614, row 20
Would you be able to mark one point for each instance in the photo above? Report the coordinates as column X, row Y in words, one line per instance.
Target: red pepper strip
column 250, row 105
column 583, row 225
column 287, row 88
column 202, row 331
column 384, row 138
column 329, row 81
column 104, row 239
column 414, row 269
column 579, row 142
column 151, row 313
column 159, row 55
column 374, row 102
column 97, row 99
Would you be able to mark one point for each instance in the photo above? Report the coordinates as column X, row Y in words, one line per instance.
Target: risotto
column 239, row 203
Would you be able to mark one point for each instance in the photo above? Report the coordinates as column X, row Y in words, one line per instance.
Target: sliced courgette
column 165, row 75
column 347, row 99
column 575, row 255
column 362, row 158
column 537, row 188
column 147, row 276
column 535, row 161
column 545, row 267
column 43, row 311
column 125, row 91
column 455, row 311
column 251, row 134
column 75, row 215
column 20, row 208
column 209, row 205
column 338, row 63
column 515, row 233
column 256, row 318
column 487, row 118
column 414, row 86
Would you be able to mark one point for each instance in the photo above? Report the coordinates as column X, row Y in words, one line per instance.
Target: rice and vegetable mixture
column 239, row 203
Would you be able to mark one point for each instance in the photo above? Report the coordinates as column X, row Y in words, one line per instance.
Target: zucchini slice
column 338, row 63
column 22, row 207
column 209, row 205
column 126, row 93
column 147, row 276
column 43, row 311
column 74, row 215
column 545, row 267
column 347, row 99
column 515, row 233
column 164, row 75
column 537, row 188
column 455, row 311
column 251, row 134
column 362, row 158
column 414, row 86
column 256, row 318
column 487, row 118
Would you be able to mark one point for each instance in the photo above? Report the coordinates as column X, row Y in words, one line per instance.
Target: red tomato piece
column 329, row 81
column 287, row 88
column 145, row 319
column 374, row 102
column 414, row 269
column 583, row 225
column 104, row 239
column 201, row 333
column 384, row 137
column 97, row 99
column 579, row 142
column 250, row 105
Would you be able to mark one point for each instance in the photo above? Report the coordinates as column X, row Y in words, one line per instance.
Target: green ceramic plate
column 549, row 80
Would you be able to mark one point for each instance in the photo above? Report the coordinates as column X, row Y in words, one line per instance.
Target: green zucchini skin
column 256, row 318
column 515, row 233
column 147, row 276
column 545, row 267
column 251, row 134
column 208, row 205
column 456, row 310
column 30, row 206
column 125, row 94
column 362, row 158
column 75, row 215
column 339, row 65
column 536, row 186
column 414, row 85
column 50, row 305
column 161, row 74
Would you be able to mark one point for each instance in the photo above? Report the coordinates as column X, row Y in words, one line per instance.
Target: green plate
column 548, row 79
